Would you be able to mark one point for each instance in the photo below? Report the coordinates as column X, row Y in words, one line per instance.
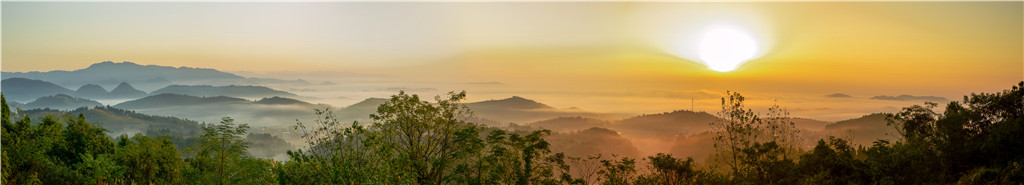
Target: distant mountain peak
column 124, row 86
column 90, row 86
column 125, row 90
column 515, row 102
column 109, row 63
column 277, row 100
column 90, row 91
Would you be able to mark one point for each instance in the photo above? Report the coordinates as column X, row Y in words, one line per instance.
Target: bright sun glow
column 725, row 49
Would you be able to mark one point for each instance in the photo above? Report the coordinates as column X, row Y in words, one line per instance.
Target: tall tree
column 753, row 147
column 150, row 160
column 221, row 157
column 424, row 134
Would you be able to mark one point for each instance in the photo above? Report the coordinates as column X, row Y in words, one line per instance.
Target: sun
column 725, row 49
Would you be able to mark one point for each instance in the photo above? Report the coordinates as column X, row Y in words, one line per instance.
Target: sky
column 635, row 57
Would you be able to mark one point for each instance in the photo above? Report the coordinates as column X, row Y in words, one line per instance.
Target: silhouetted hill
column 91, row 91
column 521, row 110
column 125, row 91
column 280, row 101
column 592, row 141
column 809, row 124
column 699, row 146
column 167, row 100
column 60, row 102
column 23, row 89
column 362, row 109
column 680, row 122
column 864, row 130
column 515, row 102
column 231, row 90
column 562, row 124
column 124, row 121
column 212, row 109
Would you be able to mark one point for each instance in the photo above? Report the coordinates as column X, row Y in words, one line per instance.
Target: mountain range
column 169, row 100
column 23, row 90
column 144, row 77
column 110, row 73
column 246, row 91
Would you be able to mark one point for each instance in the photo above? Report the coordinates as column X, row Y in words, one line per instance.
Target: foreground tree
column 427, row 137
column 221, row 158
column 755, row 148
column 833, row 161
column 150, row 160
column 971, row 138
column 340, row 154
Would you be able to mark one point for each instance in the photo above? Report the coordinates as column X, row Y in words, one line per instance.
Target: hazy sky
column 608, row 56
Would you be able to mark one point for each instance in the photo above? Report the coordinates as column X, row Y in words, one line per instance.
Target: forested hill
column 123, row 121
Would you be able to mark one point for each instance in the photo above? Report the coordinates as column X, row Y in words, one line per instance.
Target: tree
column 511, row 158
column 618, row 172
column 55, row 151
column 669, row 170
column 833, row 161
column 220, row 156
column 150, row 160
column 754, row 148
column 970, row 138
column 424, row 134
column 99, row 169
column 24, row 148
column 340, row 154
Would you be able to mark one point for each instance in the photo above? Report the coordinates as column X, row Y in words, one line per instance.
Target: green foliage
column 221, row 158
column 618, row 172
column 55, row 151
column 99, row 169
column 672, row 171
column 511, row 158
column 418, row 142
column 424, row 134
column 340, row 155
column 150, row 160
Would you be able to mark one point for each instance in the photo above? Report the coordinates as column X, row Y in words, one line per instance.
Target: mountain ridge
column 246, row 91
column 60, row 102
column 167, row 100
column 25, row 89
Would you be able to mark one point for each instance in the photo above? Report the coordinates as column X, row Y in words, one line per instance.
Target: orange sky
column 608, row 56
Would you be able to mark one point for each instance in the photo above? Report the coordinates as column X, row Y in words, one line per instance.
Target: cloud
column 486, row 83
column 695, row 94
column 838, row 95
column 395, row 89
column 911, row 98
